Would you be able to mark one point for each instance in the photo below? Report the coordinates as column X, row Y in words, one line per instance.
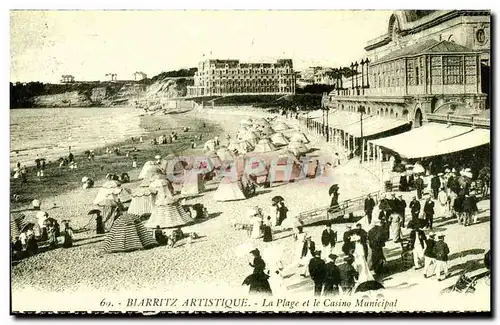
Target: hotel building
column 231, row 77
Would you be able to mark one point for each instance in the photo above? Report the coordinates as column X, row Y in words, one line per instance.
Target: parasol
column 418, row 169
column 334, row 188
column 368, row 286
column 277, row 199
column 94, row 211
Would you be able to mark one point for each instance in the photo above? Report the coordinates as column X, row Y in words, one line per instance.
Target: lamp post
column 327, row 125
column 356, row 76
column 361, row 110
column 352, row 77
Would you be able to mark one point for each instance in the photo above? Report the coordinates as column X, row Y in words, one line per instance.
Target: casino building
column 232, row 77
column 430, row 67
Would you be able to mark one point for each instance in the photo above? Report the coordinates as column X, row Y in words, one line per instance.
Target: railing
column 460, row 119
column 345, row 207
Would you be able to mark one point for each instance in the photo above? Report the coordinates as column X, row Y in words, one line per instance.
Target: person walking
column 442, row 251
column 442, row 199
column 369, row 205
column 308, row 249
column 429, row 255
column 328, row 239
column 282, row 211
column 402, row 209
column 348, row 275
column 429, row 212
column 435, row 185
column 419, row 185
column 332, row 277
column 317, row 270
column 415, row 208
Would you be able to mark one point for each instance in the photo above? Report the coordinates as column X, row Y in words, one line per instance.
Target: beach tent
column 127, row 234
column 251, row 137
column 245, row 146
column 161, row 189
column 224, row 154
column 214, row 159
column 149, row 170
column 241, row 146
column 298, row 136
column 193, row 182
column 168, row 214
column 284, row 169
column 264, row 145
column 229, row 189
column 278, row 139
column 246, row 122
column 297, row 147
column 234, row 146
column 280, row 126
column 16, row 225
column 209, row 145
column 112, row 188
column 142, row 200
column 266, row 130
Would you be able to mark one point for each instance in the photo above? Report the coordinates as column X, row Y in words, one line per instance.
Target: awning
column 342, row 119
column 373, row 126
column 433, row 139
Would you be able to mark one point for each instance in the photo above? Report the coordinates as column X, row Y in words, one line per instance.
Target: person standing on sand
column 317, row 270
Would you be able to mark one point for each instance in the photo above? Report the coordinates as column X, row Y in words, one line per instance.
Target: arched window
column 392, row 112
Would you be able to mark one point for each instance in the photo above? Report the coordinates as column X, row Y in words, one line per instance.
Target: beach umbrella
column 277, row 199
column 334, row 188
column 368, row 286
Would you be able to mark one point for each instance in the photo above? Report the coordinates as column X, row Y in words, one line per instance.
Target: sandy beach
column 210, row 262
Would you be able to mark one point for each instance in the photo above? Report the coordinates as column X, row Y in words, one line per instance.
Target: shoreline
column 54, row 151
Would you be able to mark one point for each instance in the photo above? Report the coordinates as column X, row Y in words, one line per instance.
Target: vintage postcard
column 250, row 161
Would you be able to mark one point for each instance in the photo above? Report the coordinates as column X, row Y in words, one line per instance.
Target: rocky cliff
column 85, row 94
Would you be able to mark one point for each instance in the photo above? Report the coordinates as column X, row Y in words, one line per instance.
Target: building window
column 436, row 69
column 470, row 70
column 453, row 70
column 410, row 72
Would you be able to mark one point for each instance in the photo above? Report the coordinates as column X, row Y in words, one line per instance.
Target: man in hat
column 377, row 236
column 369, row 205
column 417, row 244
column 317, row 270
column 442, row 251
column 347, row 246
column 328, row 238
column 415, row 208
column 429, row 255
column 348, row 275
column 308, row 249
column 401, row 204
column 419, row 185
column 435, row 185
column 332, row 277
column 429, row 211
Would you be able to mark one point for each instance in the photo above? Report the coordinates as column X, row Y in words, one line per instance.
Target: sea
column 50, row 132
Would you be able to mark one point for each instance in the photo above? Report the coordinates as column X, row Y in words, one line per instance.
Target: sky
column 89, row 44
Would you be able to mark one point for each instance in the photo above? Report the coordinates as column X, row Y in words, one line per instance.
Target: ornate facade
column 411, row 75
column 231, row 77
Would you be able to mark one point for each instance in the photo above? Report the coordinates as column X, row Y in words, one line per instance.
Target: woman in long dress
column 395, row 229
column 360, row 263
column 258, row 280
column 442, row 203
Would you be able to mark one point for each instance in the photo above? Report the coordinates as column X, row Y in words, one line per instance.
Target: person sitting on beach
column 134, row 161
column 67, row 233
column 99, row 225
column 193, row 144
column 124, row 178
column 160, row 236
column 112, row 177
column 31, row 244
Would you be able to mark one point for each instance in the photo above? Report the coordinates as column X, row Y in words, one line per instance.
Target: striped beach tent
column 142, row 200
column 224, row 154
column 168, row 214
column 149, row 170
column 127, row 234
column 229, row 190
column 193, row 182
column 16, row 225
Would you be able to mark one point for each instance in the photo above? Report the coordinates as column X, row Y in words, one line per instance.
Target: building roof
column 425, row 47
